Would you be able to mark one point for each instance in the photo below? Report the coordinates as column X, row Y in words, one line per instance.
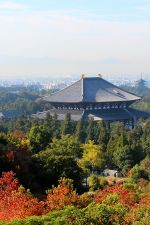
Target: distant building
column 110, row 173
column 141, row 83
column 10, row 114
column 97, row 99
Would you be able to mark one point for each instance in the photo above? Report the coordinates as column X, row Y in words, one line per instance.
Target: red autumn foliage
column 145, row 201
column 62, row 195
column 127, row 197
column 10, row 155
column 15, row 202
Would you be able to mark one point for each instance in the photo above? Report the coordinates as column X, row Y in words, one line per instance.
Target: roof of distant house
column 10, row 114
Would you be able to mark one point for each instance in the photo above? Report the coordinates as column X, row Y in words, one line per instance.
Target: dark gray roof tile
column 72, row 93
column 92, row 89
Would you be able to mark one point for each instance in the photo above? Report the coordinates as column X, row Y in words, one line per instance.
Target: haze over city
column 67, row 37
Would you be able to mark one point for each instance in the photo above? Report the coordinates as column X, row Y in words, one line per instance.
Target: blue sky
column 67, row 37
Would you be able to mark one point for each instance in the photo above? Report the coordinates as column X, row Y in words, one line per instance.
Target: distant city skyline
column 39, row 78
column 68, row 37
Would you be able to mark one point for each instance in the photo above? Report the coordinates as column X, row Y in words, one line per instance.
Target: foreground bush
column 108, row 212
column 96, row 182
column 139, row 215
column 63, row 195
column 114, row 205
column 15, row 201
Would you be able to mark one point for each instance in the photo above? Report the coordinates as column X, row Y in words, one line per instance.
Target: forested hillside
column 23, row 99
column 52, row 172
column 78, row 151
column 144, row 93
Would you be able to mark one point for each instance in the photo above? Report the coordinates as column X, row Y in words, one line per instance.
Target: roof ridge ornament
column 100, row 75
column 82, row 76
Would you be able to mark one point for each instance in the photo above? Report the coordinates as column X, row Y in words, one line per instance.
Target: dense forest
column 53, row 152
column 52, row 172
column 27, row 100
column 144, row 92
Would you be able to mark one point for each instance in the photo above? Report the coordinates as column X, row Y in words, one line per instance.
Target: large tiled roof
column 91, row 89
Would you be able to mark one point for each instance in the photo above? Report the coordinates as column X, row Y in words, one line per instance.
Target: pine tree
column 47, row 122
column 55, row 126
column 80, row 133
column 123, row 155
column 102, row 134
column 90, row 131
column 66, row 125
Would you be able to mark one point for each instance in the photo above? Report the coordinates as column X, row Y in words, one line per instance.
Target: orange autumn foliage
column 17, row 134
column 62, row 195
column 139, row 213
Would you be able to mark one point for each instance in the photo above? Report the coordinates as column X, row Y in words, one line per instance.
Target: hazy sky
column 62, row 37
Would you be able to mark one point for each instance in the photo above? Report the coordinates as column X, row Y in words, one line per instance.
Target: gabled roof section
column 72, row 93
column 92, row 89
column 96, row 89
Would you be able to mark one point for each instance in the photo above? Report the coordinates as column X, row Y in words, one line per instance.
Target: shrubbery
column 63, row 206
column 96, row 182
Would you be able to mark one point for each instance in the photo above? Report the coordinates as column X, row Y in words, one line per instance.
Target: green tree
column 55, row 126
column 93, row 182
column 80, row 133
column 66, row 143
column 136, row 173
column 22, row 124
column 58, row 160
column 123, row 158
column 145, row 139
column 96, row 182
column 3, row 140
column 134, row 135
column 48, row 122
column 39, row 138
column 145, row 165
column 66, row 125
column 3, row 148
column 111, row 148
column 102, row 134
column 90, row 131
column 117, row 129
